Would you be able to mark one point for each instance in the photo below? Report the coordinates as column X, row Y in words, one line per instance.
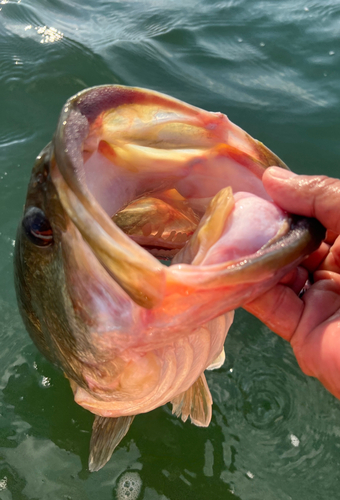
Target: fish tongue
column 209, row 229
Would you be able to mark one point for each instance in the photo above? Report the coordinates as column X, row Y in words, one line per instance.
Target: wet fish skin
column 139, row 324
column 40, row 282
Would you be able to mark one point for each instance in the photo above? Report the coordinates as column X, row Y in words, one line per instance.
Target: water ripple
column 268, row 403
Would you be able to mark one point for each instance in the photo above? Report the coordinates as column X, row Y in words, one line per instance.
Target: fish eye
column 37, row 227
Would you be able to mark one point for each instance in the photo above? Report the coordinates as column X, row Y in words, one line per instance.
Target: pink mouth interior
column 252, row 224
column 155, row 171
column 254, row 221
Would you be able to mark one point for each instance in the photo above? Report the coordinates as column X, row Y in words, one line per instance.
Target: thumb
column 313, row 196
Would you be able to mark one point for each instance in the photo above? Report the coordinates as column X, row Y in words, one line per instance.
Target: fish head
column 133, row 178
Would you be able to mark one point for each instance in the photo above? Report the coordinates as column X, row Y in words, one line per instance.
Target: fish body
column 132, row 178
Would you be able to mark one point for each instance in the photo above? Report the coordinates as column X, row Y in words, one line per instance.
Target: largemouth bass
column 132, row 179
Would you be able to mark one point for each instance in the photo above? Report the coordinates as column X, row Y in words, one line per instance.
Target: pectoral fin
column 106, row 435
column 195, row 403
column 218, row 362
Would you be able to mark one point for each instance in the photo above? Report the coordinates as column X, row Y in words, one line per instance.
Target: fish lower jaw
column 157, row 377
column 124, row 407
column 112, row 409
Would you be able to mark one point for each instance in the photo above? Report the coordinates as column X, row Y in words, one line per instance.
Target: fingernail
column 280, row 173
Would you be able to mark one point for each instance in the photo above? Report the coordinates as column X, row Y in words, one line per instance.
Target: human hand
column 310, row 323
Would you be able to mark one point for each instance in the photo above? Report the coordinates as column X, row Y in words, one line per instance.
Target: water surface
column 274, row 69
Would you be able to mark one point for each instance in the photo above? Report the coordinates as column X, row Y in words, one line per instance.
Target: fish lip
column 84, row 107
column 68, row 177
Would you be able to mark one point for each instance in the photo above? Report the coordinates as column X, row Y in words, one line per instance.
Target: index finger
column 279, row 308
column 332, row 260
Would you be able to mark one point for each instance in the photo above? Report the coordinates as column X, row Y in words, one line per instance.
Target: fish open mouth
column 164, row 226
column 145, row 177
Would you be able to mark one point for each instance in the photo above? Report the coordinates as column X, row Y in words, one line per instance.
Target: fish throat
column 162, row 225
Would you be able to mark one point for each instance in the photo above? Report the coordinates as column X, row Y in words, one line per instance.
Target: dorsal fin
column 106, row 435
column 195, row 403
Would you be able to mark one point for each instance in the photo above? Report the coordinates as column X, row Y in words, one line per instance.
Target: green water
column 274, row 68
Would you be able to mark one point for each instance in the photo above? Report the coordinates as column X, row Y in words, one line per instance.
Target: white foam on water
column 129, row 486
column 294, row 440
column 3, row 483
